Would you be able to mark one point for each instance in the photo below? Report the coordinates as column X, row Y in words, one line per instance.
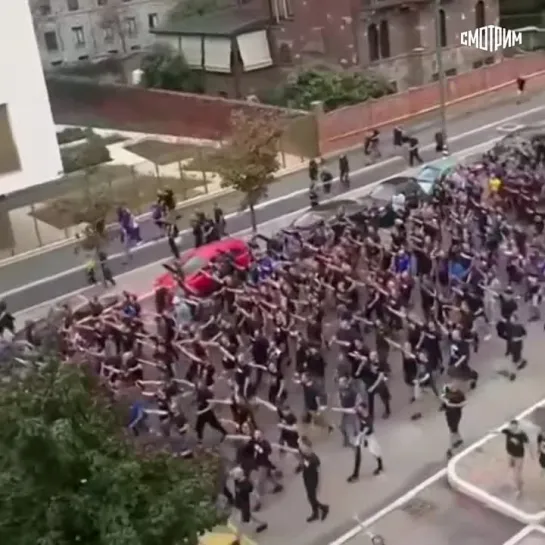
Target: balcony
column 376, row 5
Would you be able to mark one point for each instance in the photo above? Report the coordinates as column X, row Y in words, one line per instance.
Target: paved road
column 55, row 273
column 412, row 451
column 140, row 280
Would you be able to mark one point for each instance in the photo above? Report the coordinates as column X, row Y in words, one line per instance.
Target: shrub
column 70, row 134
column 86, row 155
column 334, row 90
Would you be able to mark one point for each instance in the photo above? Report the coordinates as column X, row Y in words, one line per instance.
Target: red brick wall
column 89, row 104
column 344, row 128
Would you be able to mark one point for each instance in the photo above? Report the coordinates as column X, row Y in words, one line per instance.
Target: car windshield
column 312, row 218
column 429, row 174
column 193, row 265
column 384, row 192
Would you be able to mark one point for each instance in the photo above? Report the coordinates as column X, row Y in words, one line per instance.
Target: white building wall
column 24, row 94
column 70, row 31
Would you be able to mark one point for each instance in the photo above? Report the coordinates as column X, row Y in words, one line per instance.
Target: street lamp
column 441, row 74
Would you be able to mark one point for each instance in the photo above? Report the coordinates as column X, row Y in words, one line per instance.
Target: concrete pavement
column 51, row 274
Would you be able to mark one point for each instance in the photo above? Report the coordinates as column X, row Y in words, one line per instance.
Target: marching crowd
column 307, row 338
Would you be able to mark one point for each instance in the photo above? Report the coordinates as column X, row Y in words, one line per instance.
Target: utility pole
column 441, row 76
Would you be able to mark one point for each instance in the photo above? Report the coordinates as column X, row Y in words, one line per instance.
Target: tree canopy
column 333, row 89
column 248, row 158
column 70, row 475
column 164, row 69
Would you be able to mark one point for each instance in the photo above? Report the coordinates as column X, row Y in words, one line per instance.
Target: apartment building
column 69, row 31
column 29, row 154
column 395, row 37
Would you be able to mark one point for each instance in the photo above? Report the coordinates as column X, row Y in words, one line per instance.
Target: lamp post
column 441, row 74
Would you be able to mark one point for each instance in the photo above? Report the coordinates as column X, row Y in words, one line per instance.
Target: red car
column 195, row 261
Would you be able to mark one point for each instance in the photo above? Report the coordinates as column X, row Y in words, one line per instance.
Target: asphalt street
column 52, row 274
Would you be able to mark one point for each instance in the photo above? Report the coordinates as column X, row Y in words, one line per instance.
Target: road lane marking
column 285, row 218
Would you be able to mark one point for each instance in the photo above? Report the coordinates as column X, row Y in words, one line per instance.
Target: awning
column 254, row 50
column 217, row 54
column 191, row 48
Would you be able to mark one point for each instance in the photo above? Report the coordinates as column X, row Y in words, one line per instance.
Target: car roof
column 398, row 181
column 213, row 249
column 332, row 206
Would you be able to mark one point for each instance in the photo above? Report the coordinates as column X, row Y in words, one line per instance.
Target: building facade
column 393, row 37
column 71, row 31
column 29, row 154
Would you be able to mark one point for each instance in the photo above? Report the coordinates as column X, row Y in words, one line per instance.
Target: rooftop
column 224, row 23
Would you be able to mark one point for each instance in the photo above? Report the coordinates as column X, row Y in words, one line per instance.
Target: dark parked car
column 382, row 197
column 327, row 211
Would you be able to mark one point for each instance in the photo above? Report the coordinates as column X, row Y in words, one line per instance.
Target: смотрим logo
column 491, row 38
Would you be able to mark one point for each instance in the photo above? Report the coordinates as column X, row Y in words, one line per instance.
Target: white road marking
column 442, row 473
column 285, row 219
column 527, row 531
column 264, row 204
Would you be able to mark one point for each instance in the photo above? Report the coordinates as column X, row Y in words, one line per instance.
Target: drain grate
column 418, row 507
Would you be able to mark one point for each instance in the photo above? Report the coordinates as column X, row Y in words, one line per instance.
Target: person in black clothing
column 313, row 194
column 219, row 220
column 7, row 321
column 310, row 470
column 541, row 450
column 172, row 233
column 398, row 137
column 371, row 142
column 414, row 154
column 327, row 178
column 344, row 171
column 516, row 333
column 516, row 441
column 365, row 439
column 243, row 489
column 313, row 170
column 453, row 400
column 266, row 470
column 439, row 142
column 205, row 412
column 521, row 84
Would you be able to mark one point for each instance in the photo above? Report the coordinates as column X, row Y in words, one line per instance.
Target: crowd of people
column 314, row 334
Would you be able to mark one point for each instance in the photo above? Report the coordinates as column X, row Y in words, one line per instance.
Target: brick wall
column 345, row 128
column 90, row 104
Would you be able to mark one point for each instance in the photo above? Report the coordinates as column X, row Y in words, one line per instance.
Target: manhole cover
column 418, row 507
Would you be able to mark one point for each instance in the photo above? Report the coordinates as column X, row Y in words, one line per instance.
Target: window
column 50, row 39
column 279, row 9
column 480, row 14
column 9, row 156
column 442, row 28
column 44, row 7
column 288, row 8
column 130, row 24
column 152, row 20
column 384, row 39
column 102, row 2
column 73, row 5
column 109, row 34
column 450, row 72
column 372, row 42
column 79, row 36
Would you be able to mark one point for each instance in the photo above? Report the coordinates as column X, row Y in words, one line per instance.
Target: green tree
column 162, row 68
column 70, row 475
column 247, row 160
